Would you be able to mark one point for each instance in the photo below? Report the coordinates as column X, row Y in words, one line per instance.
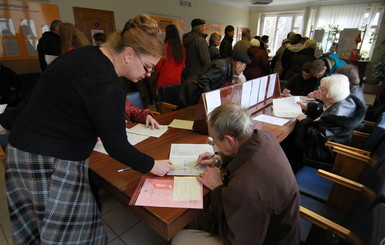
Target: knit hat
column 255, row 42
column 197, row 22
column 241, row 57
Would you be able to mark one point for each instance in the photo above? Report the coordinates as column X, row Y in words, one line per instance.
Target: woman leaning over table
column 78, row 98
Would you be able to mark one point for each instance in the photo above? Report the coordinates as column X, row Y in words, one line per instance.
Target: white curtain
column 345, row 16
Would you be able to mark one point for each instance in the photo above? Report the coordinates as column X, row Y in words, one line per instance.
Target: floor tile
column 108, row 202
column 141, row 234
column 6, row 226
column 3, row 207
column 111, row 235
column 116, row 241
column 120, row 219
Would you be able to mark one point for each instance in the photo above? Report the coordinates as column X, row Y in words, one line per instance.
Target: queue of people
column 254, row 195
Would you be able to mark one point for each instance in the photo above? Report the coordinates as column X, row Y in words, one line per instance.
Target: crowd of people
column 79, row 97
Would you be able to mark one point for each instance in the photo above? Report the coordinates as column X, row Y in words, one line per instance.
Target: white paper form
column 184, row 157
column 183, row 124
column 213, row 100
column 270, row 90
column 141, row 129
column 254, row 92
column 246, row 93
column 187, row 189
column 132, row 138
column 262, row 88
column 2, row 107
column 287, row 107
column 272, row 120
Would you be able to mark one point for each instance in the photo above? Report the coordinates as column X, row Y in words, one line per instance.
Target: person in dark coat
column 214, row 41
column 259, row 65
column 288, row 53
column 301, row 57
column 301, row 83
column 49, row 44
column 222, row 72
column 226, row 47
column 197, row 51
column 254, row 197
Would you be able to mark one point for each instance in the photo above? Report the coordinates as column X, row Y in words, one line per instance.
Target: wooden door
column 90, row 21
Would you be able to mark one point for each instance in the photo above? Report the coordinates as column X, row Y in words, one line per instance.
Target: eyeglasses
column 210, row 141
column 146, row 68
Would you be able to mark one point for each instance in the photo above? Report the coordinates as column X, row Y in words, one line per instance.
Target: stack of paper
column 141, row 129
column 287, row 107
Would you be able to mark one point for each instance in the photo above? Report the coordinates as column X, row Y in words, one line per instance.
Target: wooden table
column 166, row 221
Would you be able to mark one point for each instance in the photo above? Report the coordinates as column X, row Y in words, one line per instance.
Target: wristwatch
column 217, row 160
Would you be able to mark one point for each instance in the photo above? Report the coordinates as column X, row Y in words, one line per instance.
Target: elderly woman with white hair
column 259, row 65
column 334, row 120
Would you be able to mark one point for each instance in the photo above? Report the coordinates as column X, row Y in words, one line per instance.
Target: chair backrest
column 135, row 99
column 377, row 134
column 170, row 94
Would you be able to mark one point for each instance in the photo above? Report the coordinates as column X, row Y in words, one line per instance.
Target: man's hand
column 211, row 177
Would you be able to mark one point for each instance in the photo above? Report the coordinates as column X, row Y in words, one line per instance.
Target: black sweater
column 78, row 98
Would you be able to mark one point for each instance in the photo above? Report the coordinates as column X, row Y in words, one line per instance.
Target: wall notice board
column 21, row 26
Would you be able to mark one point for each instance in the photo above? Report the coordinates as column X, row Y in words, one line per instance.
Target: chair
column 169, row 98
column 135, row 99
column 370, row 194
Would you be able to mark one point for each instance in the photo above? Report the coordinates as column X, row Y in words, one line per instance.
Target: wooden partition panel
column 234, row 93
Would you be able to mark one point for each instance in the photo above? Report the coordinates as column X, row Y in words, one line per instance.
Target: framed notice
column 21, row 26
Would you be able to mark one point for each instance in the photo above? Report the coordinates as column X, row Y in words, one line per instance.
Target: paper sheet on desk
column 287, row 107
column 184, row 157
column 2, row 107
column 272, row 120
column 132, row 138
column 183, row 124
column 168, row 192
column 141, row 129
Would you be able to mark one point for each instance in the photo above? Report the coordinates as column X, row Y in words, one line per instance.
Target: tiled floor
column 122, row 226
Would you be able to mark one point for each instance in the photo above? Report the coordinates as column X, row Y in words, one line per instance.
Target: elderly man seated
column 254, row 198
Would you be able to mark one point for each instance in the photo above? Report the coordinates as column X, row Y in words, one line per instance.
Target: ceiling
column 246, row 4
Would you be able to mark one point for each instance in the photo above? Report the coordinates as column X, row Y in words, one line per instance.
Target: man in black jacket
column 49, row 44
column 226, row 47
column 221, row 73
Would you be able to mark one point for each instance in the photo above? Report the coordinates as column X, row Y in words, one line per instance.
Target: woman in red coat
column 169, row 69
column 259, row 65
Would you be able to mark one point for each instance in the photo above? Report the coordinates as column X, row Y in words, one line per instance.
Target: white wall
column 125, row 9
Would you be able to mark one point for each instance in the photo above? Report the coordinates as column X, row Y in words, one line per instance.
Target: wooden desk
column 166, row 221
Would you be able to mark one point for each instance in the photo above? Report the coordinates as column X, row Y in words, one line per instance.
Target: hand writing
column 205, row 159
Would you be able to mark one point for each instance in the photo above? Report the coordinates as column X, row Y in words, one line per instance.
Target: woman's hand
column 286, row 92
column 315, row 94
column 303, row 106
column 162, row 167
column 3, row 130
column 151, row 121
column 211, row 177
column 301, row 117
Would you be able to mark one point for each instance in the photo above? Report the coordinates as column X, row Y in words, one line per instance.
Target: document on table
column 184, row 158
column 287, row 107
column 183, row 124
column 132, row 138
column 270, row 119
column 177, row 192
column 2, row 107
column 141, row 129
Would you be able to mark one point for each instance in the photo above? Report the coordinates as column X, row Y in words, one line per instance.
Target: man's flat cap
column 241, row 57
column 197, row 22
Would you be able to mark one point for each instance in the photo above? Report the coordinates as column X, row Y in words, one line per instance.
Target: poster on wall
column 164, row 22
column 210, row 28
column 347, row 42
column 21, row 26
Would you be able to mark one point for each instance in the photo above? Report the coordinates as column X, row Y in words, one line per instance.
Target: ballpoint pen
column 123, row 169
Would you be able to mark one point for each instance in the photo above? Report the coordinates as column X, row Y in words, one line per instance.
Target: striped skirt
column 50, row 201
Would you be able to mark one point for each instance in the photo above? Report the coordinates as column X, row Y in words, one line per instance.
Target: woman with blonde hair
column 214, row 41
column 71, row 38
column 78, row 99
